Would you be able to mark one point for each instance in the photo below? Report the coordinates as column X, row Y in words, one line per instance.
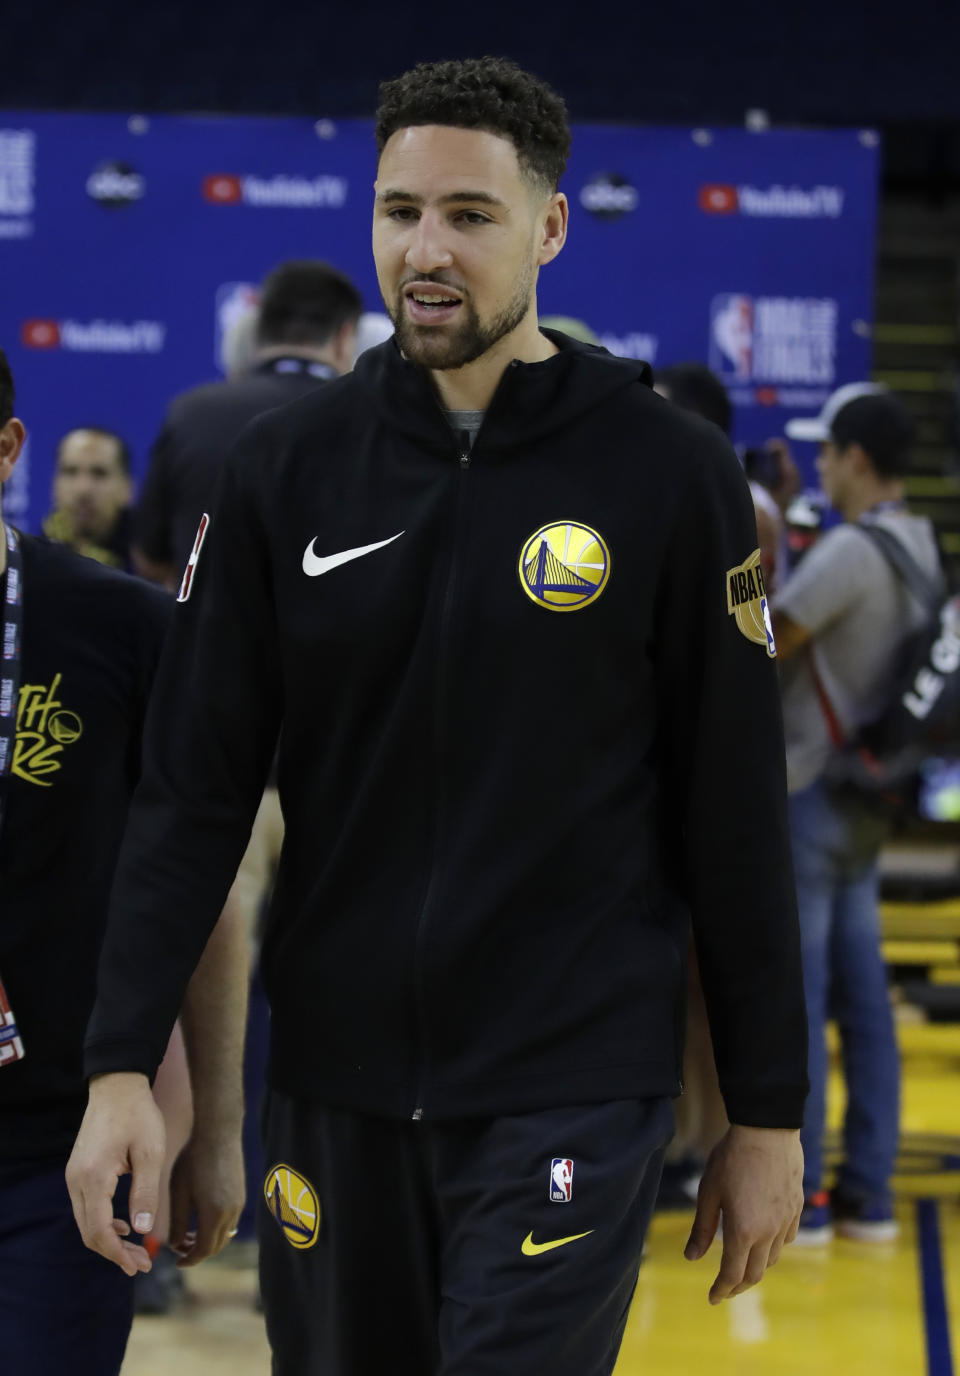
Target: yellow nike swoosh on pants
column 530, row 1248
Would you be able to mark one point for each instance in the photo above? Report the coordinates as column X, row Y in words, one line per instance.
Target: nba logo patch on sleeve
column 561, row 1180
column 747, row 603
column 186, row 584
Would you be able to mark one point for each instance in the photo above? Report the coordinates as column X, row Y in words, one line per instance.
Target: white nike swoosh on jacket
column 314, row 564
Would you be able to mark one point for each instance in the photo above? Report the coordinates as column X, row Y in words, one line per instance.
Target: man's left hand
column 754, row 1178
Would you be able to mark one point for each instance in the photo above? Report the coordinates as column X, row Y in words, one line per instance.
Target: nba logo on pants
column 561, row 1180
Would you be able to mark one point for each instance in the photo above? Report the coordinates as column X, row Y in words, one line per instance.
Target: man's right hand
column 122, row 1132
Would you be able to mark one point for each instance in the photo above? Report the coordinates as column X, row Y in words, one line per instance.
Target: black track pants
column 480, row 1247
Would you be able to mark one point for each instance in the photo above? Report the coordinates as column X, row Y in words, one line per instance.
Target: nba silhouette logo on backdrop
column 731, row 336
column 561, row 1180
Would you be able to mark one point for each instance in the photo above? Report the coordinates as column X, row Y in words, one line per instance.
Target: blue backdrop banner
column 128, row 245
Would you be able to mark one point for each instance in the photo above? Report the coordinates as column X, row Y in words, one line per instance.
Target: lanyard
column 291, row 365
column 12, row 617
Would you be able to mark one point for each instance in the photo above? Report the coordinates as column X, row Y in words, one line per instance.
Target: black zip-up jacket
column 498, row 814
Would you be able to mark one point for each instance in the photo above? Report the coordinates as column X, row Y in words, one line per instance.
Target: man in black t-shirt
column 306, row 334
column 79, row 647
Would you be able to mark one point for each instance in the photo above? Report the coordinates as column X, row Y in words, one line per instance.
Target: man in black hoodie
column 506, row 604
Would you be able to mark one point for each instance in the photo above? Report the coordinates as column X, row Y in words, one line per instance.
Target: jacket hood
column 532, row 399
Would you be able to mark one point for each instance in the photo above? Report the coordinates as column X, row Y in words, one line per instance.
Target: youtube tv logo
column 40, row 334
column 283, row 191
column 97, row 336
column 718, row 198
column 223, row 188
column 776, row 202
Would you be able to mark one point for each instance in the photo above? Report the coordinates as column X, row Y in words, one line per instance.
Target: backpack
column 879, row 764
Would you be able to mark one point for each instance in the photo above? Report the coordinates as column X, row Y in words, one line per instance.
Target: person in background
column 305, row 335
column 92, row 493
column 80, row 646
column 774, row 483
column 840, row 621
column 701, row 1116
column 806, row 512
column 302, row 334
column 695, row 388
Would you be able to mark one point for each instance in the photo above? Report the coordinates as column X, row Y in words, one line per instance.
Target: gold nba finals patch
column 564, row 566
column 294, row 1204
column 747, row 603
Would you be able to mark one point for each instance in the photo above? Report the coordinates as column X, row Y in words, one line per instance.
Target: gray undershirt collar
column 465, row 423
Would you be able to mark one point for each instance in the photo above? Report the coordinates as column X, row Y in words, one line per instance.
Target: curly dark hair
column 488, row 93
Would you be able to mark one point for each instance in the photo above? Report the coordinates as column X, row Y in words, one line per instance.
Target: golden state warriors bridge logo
column 294, row 1204
column 564, row 566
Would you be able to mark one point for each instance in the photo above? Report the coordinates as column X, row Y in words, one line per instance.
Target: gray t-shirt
column 859, row 613
column 465, row 423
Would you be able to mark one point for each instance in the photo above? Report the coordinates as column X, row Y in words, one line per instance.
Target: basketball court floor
column 848, row 1309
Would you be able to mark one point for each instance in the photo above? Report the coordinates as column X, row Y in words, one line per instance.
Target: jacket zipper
column 429, row 900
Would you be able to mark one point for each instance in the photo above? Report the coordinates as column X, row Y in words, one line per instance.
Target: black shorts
column 505, row 1246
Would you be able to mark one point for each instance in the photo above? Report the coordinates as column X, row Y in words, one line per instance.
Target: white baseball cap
column 817, row 428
